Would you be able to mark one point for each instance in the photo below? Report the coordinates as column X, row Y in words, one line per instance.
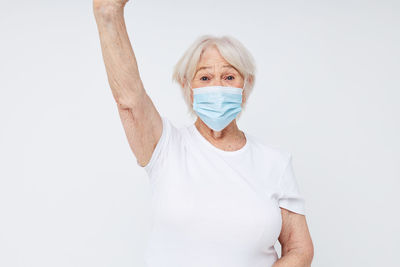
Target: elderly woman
column 221, row 197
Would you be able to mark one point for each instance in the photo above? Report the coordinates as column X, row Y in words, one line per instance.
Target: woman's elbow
column 131, row 101
column 308, row 254
column 125, row 103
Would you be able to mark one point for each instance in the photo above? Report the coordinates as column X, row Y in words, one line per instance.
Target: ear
column 250, row 80
column 183, row 82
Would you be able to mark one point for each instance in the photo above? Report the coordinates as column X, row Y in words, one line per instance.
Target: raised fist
column 103, row 3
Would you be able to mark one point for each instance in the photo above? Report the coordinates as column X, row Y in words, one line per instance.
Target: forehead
column 211, row 55
column 210, row 67
column 211, row 58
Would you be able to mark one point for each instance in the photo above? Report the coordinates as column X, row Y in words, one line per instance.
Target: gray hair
column 233, row 51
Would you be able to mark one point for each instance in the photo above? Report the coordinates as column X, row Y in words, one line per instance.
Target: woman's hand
column 101, row 4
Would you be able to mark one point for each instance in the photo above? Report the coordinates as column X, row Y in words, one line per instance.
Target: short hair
column 232, row 50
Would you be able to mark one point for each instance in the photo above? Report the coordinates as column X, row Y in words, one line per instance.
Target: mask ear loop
column 191, row 91
column 244, row 86
column 189, row 85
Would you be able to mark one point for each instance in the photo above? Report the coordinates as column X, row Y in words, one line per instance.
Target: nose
column 217, row 82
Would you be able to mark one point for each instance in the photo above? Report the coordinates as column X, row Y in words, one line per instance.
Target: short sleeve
column 290, row 196
column 159, row 151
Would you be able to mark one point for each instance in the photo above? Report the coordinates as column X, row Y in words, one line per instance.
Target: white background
column 327, row 90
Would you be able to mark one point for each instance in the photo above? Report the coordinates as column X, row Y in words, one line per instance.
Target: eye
column 204, row 77
column 230, row 76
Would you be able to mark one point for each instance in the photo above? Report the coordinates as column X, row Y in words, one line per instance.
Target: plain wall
column 327, row 90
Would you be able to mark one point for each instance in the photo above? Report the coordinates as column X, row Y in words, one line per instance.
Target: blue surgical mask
column 217, row 106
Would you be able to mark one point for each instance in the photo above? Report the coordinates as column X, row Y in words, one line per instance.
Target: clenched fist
column 113, row 3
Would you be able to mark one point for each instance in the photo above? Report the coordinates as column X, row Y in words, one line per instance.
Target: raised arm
column 141, row 121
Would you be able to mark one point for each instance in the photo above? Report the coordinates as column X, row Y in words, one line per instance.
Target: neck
column 229, row 138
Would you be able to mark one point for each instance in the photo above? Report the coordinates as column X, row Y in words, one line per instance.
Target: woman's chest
column 217, row 203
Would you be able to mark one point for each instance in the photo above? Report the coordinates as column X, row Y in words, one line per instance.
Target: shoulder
column 167, row 147
column 170, row 128
column 176, row 134
column 271, row 153
column 271, row 163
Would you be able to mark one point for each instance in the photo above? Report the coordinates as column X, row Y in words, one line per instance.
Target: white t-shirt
column 216, row 208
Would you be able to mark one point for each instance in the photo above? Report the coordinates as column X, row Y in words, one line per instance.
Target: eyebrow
column 209, row 67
